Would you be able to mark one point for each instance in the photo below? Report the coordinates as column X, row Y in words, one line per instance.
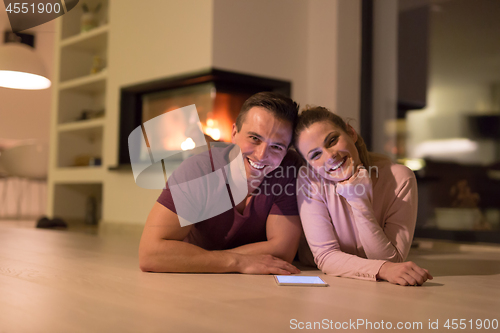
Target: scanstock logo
column 200, row 174
column 26, row 14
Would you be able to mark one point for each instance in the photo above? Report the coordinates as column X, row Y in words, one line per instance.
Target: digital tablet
column 300, row 280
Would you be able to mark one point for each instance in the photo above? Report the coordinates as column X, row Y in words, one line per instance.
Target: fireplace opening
column 218, row 96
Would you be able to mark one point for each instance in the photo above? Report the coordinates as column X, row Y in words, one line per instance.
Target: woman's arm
column 392, row 241
column 322, row 238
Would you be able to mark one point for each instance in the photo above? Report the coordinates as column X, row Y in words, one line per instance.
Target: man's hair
column 280, row 106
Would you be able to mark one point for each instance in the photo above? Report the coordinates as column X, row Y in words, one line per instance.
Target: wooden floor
column 59, row 281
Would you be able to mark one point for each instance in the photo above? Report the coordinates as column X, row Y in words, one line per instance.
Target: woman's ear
column 352, row 133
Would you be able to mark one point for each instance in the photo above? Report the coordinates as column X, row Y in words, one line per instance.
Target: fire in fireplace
column 218, row 96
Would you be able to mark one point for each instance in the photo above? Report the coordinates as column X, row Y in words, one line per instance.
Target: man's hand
column 405, row 273
column 263, row 264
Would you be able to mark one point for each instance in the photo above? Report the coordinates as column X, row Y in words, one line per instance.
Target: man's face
column 263, row 140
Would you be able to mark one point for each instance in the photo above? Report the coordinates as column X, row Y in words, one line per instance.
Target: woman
column 358, row 210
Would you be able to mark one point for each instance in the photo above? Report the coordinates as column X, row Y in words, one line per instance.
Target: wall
column 25, row 114
column 314, row 44
column 334, row 57
column 263, row 37
column 154, row 40
column 322, row 54
column 348, row 61
column 384, row 73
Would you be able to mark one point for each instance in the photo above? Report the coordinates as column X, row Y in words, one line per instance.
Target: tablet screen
column 293, row 279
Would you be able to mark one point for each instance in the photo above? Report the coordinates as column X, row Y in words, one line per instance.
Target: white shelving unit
column 81, row 125
column 93, row 40
column 92, row 83
column 74, row 139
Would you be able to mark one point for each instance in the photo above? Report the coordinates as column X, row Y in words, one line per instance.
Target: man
column 260, row 234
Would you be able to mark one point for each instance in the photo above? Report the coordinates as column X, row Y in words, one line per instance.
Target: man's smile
column 255, row 165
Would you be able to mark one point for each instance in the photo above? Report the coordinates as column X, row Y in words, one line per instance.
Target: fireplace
column 217, row 94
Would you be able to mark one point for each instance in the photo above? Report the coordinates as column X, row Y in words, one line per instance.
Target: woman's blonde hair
column 314, row 114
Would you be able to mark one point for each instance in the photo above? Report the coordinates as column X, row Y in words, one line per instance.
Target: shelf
column 71, row 21
column 81, row 125
column 78, row 145
column 78, row 175
column 93, row 83
column 78, row 142
column 94, row 40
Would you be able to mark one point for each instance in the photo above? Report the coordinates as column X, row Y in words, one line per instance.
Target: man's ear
column 352, row 133
column 233, row 133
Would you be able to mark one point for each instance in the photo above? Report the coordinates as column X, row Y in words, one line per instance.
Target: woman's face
column 329, row 150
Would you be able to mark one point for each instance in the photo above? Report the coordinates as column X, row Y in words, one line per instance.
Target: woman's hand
column 359, row 184
column 358, row 173
column 405, row 273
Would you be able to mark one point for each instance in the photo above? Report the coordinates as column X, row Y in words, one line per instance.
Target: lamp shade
column 21, row 68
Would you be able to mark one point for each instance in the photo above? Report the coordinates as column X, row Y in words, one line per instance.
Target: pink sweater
column 352, row 230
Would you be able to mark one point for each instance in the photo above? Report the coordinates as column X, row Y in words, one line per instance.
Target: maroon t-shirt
column 276, row 195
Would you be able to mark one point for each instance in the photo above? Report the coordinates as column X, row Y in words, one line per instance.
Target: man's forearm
column 177, row 256
column 266, row 247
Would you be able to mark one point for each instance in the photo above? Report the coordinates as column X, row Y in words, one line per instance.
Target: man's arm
column 162, row 250
column 283, row 236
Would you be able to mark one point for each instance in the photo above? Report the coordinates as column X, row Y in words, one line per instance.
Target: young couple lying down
column 356, row 209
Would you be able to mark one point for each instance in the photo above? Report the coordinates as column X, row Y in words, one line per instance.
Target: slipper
column 59, row 222
column 46, row 223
